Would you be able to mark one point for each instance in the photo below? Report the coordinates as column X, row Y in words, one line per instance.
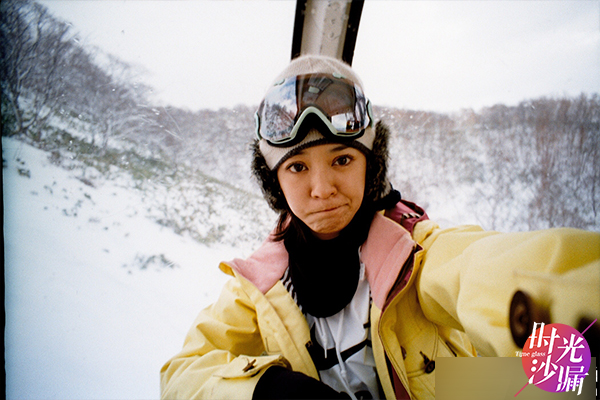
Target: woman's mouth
column 328, row 209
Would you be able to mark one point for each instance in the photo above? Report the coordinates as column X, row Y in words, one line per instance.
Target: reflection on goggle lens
column 339, row 103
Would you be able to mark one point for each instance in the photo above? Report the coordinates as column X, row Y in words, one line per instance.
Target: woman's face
column 324, row 186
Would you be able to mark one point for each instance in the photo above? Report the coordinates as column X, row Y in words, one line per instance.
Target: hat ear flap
column 268, row 180
column 377, row 184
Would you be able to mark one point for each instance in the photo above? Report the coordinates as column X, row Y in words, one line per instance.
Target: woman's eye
column 343, row 160
column 296, row 167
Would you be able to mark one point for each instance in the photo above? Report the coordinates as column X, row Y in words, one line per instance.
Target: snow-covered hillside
column 98, row 296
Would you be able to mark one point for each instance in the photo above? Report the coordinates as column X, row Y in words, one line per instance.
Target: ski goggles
column 337, row 101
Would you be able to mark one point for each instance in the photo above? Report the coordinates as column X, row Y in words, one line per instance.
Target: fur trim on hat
column 377, row 185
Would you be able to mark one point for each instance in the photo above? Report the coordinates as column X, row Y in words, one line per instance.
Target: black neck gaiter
column 325, row 273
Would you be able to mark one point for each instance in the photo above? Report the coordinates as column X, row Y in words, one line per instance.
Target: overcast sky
column 427, row 55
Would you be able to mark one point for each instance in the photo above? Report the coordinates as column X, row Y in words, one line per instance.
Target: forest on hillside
column 529, row 166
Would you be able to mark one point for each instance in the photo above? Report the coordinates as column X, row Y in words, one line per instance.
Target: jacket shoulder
column 407, row 214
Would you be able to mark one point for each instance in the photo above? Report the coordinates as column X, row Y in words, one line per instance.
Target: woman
column 356, row 293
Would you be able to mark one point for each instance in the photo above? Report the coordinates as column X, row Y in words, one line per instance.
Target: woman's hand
column 282, row 383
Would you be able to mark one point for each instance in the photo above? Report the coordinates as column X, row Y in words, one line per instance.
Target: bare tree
column 35, row 47
column 542, row 164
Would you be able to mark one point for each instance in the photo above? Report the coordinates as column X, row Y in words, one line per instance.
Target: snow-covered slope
column 97, row 296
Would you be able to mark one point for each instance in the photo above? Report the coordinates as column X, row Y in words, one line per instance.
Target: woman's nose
column 323, row 184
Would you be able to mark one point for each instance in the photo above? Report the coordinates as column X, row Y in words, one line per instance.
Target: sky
column 428, row 55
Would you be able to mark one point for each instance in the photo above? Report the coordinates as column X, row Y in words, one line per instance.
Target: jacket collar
column 384, row 253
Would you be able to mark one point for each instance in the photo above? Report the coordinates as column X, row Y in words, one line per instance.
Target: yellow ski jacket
column 436, row 293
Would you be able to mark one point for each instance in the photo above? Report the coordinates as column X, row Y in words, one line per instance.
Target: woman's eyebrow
column 338, row 148
column 298, row 153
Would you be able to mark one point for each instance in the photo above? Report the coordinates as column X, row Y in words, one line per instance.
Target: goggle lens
column 337, row 101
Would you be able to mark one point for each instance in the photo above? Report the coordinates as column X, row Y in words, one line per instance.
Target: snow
column 84, row 320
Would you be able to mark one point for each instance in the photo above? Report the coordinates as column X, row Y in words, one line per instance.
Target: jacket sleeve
column 221, row 356
column 468, row 278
